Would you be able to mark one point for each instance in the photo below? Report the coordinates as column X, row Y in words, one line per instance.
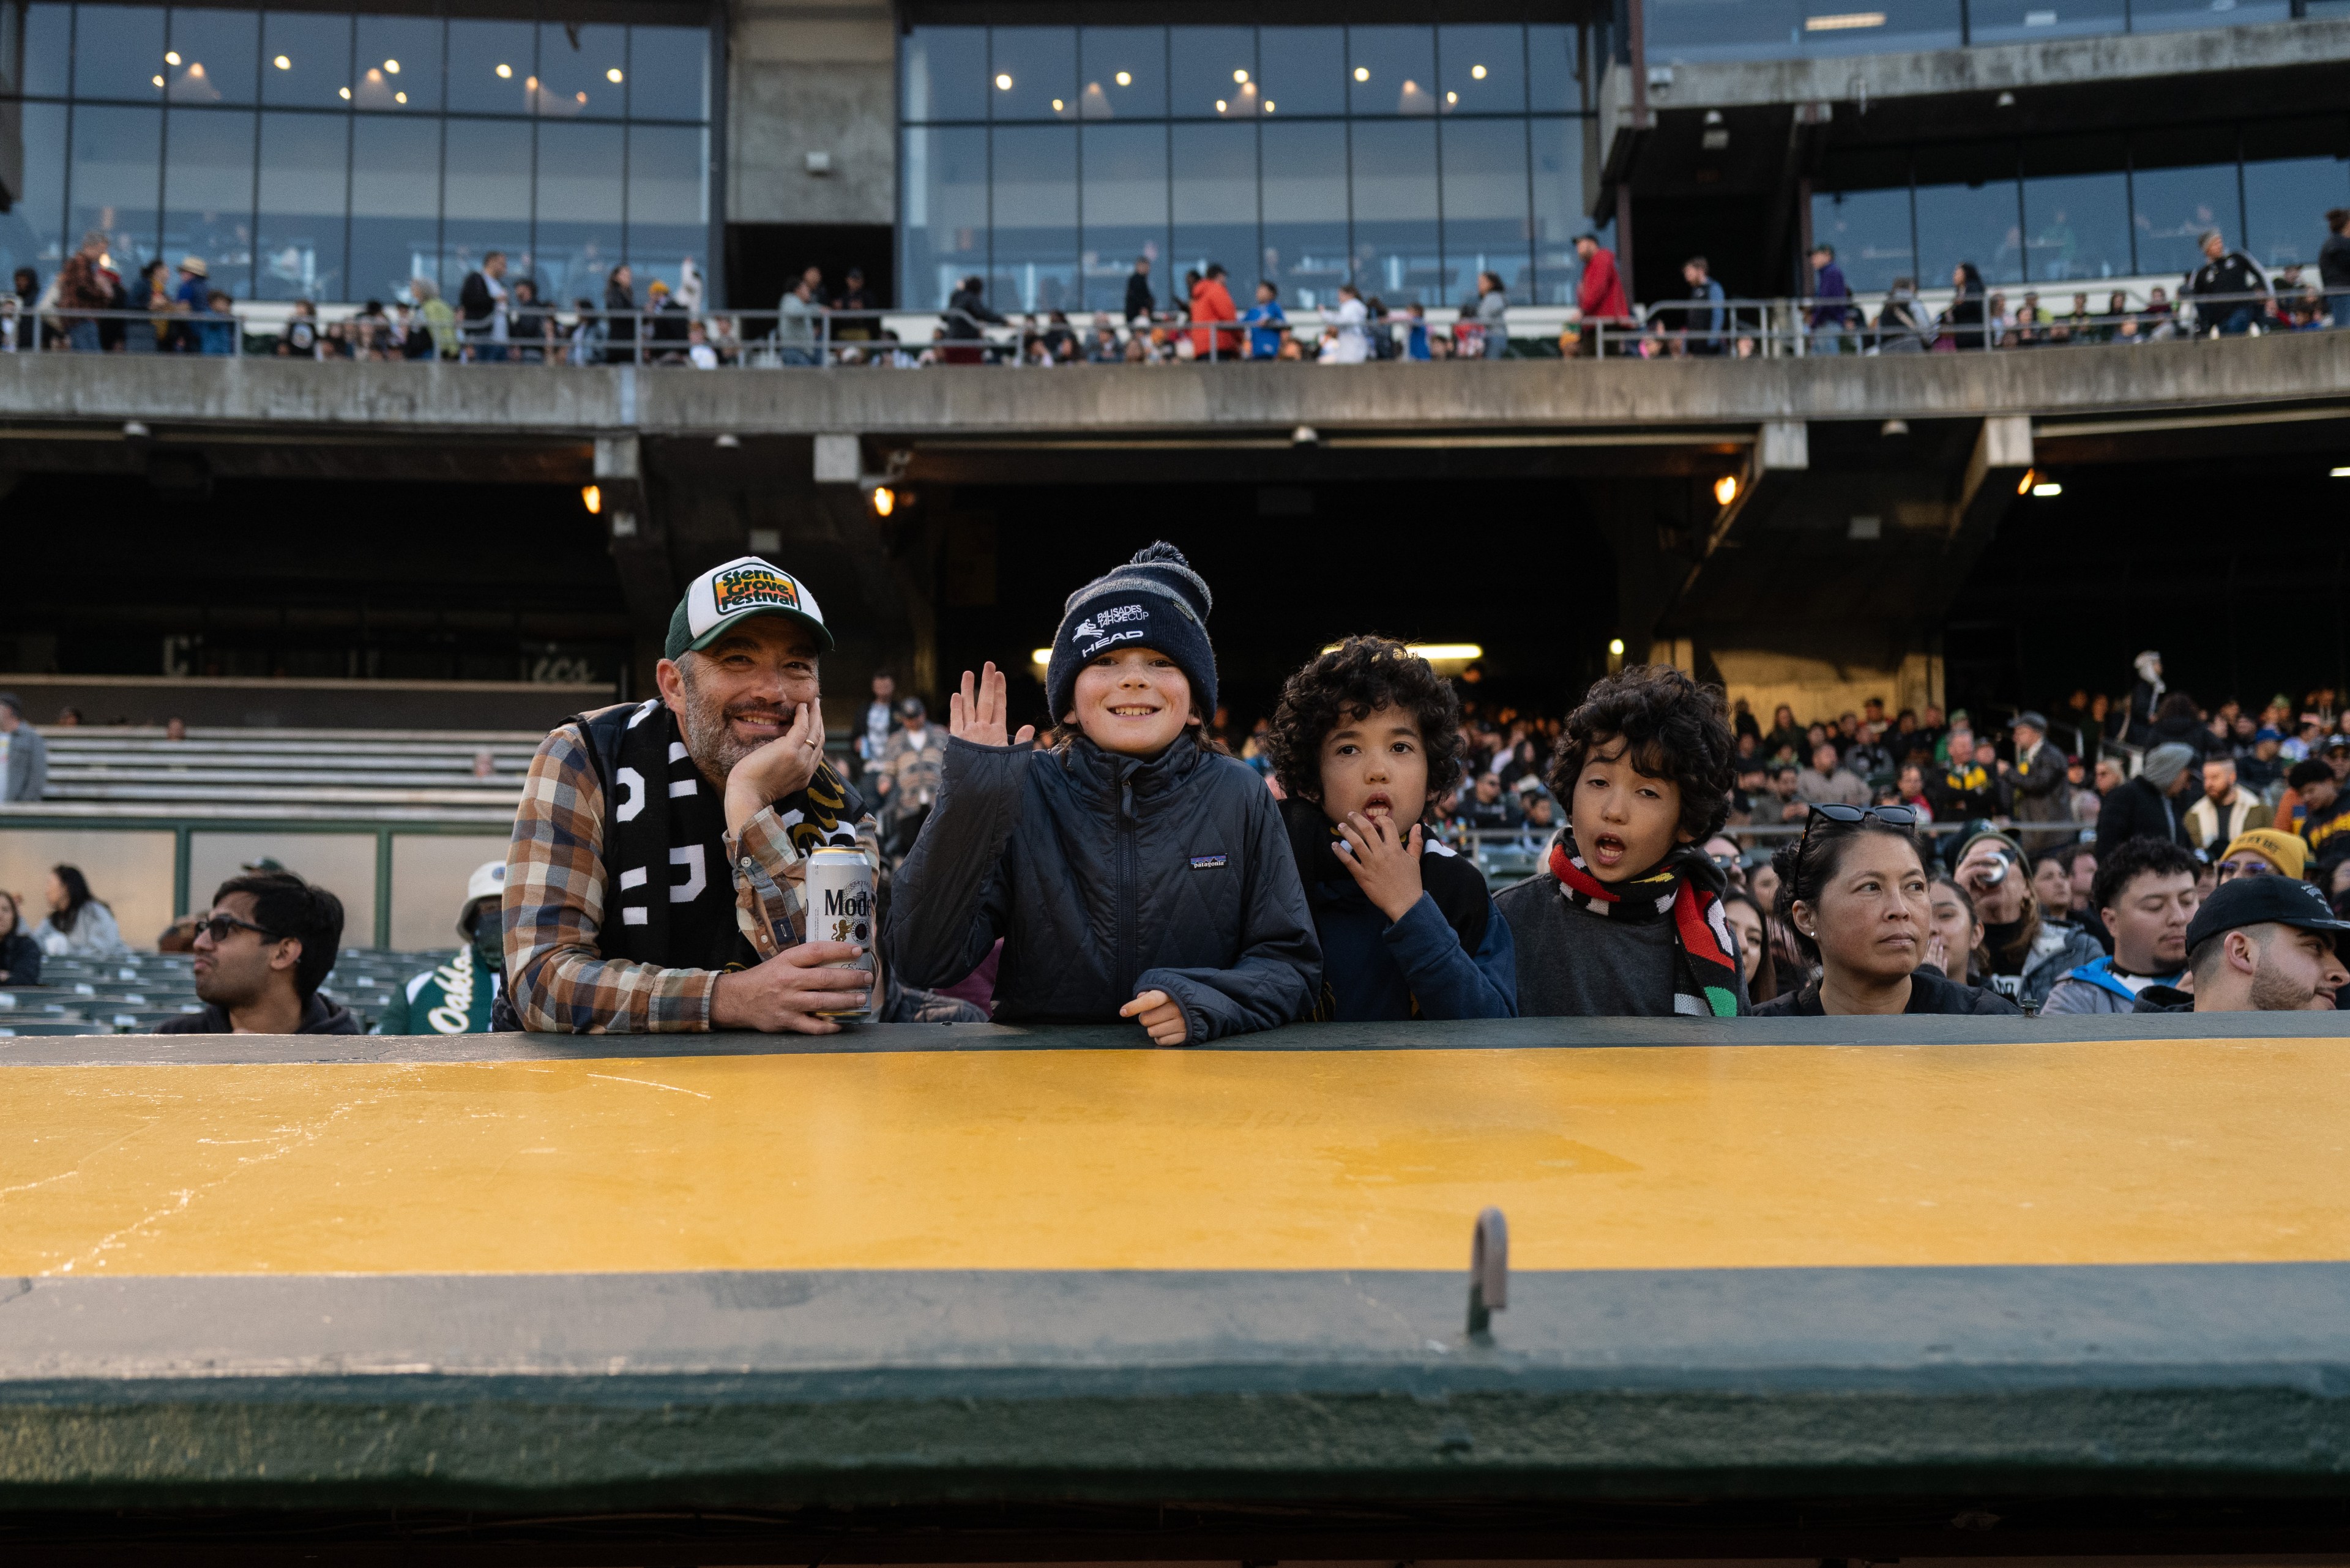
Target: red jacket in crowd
column 1601, row 291
column 1211, row 302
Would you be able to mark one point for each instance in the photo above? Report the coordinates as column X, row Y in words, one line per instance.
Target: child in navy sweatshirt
column 1366, row 735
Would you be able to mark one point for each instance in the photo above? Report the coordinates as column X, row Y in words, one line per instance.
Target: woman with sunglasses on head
column 2028, row 949
column 1853, row 891
column 20, row 955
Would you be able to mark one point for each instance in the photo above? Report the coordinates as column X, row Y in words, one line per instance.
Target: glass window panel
column 218, row 51
column 1552, row 81
column 49, row 47
column 1305, row 211
column 1693, row 30
column 944, row 231
column 1304, row 69
column 1559, row 212
column 478, row 52
column 579, row 214
column 32, row 230
column 586, row 78
column 1870, row 233
column 1482, row 70
column 119, row 53
column 1684, row 30
column 397, row 64
column 117, row 172
column 299, row 229
column 669, row 73
column 2285, row 203
column 1487, row 226
column 668, row 202
column 1974, row 224
column 1850, row 27
column 1034, row 252
column 1391, row 70
column 395, row 204
column 1395, row 213
column 2076, row 226
column 1033, row 73
column 2026, row 21
column 307, row 59
column 942, row 74
column 1125, row 210
column 485, row 168
column 208, row 194
column 2171, row 15
column 1215, row 199
column 2172, row 209
column 1123, row 74
column 1212, row 66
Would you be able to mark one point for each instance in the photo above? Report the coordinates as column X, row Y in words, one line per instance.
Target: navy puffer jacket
column 1107, row 876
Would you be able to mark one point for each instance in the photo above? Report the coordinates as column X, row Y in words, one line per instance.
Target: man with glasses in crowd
column 261, row 955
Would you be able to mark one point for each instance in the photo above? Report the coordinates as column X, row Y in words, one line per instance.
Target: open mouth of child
column 1607, row 849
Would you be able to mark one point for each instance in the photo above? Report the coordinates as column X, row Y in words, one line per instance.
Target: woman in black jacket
column 1963, row 321
column 20, row 955
column 1853, row 891
column 620, row 315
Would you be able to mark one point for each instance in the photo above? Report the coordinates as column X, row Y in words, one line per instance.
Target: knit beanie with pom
column 1155, row 601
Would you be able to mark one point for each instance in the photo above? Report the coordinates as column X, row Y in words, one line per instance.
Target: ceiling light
column 375, row 76
column 1615, row 648
column 580, row 96
column 170, row 56
column 1845, row 22
column 591, row 498
column 1453, row 98
column 531, row 82
column 1125, row 78
column 2023, row 486
column 1434, row 652
column 1220, row 106
column 282, row 63
column 884, row 500
column 159, row 82
column 504, row 71
column 399, row 98
column 1478, row 72
column 1057, row 106
column 1268, row 106
column 1239, row 76
column 1725, row 489
column 2339, row 474
column 1362, row 73
column 1040, row 657
column 2047, row 489
column 392, row 67
column 346, row 92
column 613, row 76
column 1004, row 81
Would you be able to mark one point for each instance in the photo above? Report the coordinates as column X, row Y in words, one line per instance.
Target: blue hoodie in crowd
column 1450, row 956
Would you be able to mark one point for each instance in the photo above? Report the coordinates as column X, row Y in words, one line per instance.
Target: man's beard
column 710, row 742
column 2273, row 992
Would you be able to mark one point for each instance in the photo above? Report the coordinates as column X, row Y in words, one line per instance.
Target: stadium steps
column 407, row 775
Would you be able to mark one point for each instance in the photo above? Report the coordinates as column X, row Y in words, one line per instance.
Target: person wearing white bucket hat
column 456, row 997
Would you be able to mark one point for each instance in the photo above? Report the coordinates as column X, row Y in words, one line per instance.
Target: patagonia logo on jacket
column 1206, row 862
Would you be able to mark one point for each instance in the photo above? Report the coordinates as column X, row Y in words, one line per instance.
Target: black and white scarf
column 665, row 832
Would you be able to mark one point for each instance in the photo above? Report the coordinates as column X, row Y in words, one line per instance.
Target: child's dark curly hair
column 1677, row 729
column 1359, row 676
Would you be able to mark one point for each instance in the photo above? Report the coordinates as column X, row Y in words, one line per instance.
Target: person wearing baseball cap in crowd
column 458, row 997
column 654, row 880
column 2260, row 944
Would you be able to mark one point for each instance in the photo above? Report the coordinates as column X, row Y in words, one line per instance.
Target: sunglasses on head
column 1901, row 817
column 218, row 927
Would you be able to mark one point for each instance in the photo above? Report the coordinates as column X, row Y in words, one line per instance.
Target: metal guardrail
column 1790, row 327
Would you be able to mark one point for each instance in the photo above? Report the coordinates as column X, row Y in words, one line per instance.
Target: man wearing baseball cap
column 654, row 882
column 2260, row 944
column 458, row 997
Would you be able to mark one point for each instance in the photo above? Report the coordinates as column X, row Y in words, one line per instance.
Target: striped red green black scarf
column 1685, row 887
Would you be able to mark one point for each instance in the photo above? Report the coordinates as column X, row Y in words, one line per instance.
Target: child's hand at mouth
column 1383, row 858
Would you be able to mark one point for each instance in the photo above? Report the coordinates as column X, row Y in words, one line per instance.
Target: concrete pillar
column 812, row 113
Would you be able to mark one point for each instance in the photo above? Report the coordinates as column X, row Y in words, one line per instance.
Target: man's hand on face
column 784, row 993
column 781, row 767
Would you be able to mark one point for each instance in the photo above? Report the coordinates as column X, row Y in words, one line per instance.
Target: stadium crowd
column 2138, row 852
column 88, row 305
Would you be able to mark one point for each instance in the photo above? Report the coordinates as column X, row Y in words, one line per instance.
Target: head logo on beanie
column 1156, row 601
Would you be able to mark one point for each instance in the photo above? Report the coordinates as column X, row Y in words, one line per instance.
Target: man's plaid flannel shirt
column 554, row 907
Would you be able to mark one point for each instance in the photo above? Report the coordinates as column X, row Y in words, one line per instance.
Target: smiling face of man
column 741, row 691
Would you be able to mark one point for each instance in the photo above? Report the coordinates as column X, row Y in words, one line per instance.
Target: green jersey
column 450, row 1000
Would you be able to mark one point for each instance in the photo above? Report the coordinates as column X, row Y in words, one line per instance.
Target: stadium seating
column 259, row 768
column 133, row 994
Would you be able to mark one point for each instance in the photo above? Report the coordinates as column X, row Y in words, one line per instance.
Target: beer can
column 839, row 888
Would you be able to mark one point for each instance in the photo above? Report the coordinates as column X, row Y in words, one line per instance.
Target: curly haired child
column 1624, row 919
column 1366, row 735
